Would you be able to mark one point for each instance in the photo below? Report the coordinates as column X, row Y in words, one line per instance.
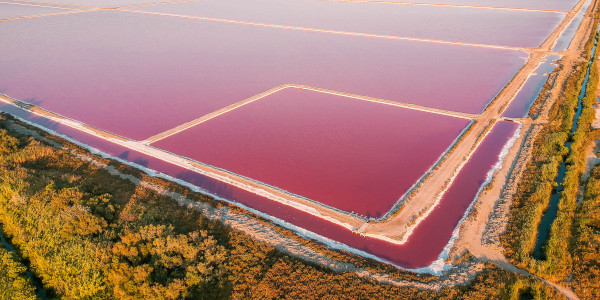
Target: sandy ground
column 396, row 228
column 592, row 161
column 480, row 232
column 505, row 179
column 248, row 224
column 462, row 274
column 399, row 226
column 596, row 124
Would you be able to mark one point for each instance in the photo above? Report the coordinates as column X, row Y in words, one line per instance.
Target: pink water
column 428, row 239
column 564, row 5
column 351, row 154
column 423, row 247
column 95, row 3
column 8, row 11
column 535, row 4
column 137, row 75
column 470, row 25
column 519, row 106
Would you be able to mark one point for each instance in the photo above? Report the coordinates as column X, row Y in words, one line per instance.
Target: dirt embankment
column 398, row 227
column 479, row 234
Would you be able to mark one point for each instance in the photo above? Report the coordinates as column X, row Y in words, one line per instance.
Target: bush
column 14, row 284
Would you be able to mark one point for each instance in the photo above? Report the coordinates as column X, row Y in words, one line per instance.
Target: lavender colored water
column 563, row 5
column 8, row 11
column 467, row 25
column 137, row 75
column 350, row 154
column 564, row 40
column 100, row 3
column 519, row 107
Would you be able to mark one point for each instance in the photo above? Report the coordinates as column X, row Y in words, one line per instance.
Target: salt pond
column 350, row 154
column 137, row 75
column 422, row 248
column 455, row 24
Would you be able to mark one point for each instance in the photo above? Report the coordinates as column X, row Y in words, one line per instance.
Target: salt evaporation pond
column 564, row 40
column 347, row 153
column 519, row 106
column 90, row 67
column 563, row 5
column 8, row 11
column 137, row 75
column 100, row 3
column 421, row 249
column 456, row 24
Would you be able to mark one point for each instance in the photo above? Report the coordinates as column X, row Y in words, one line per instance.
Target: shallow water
column 428, row 239
column 350, row 154
column 564, row 40
column 520, row 105
column 421, row 249
column 137, row 75
column 8, row 11
column 530, row 4
column 102, row 3
column 468, row 25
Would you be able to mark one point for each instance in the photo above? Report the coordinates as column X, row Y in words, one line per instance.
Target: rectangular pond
column 137, row 75
column 347, row 153
column 457, row 24
column 422, row 248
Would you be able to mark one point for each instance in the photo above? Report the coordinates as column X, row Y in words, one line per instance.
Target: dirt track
column 473, row 228
column 397, row 226
column 417, row 207
column 479, row 234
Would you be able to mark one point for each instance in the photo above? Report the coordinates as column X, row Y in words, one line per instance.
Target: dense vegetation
column 560, row 259
column 89, row 234
column 586, row 255
column 14, row 284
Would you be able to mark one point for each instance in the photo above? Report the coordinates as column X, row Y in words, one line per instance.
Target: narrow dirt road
column 398, row 226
